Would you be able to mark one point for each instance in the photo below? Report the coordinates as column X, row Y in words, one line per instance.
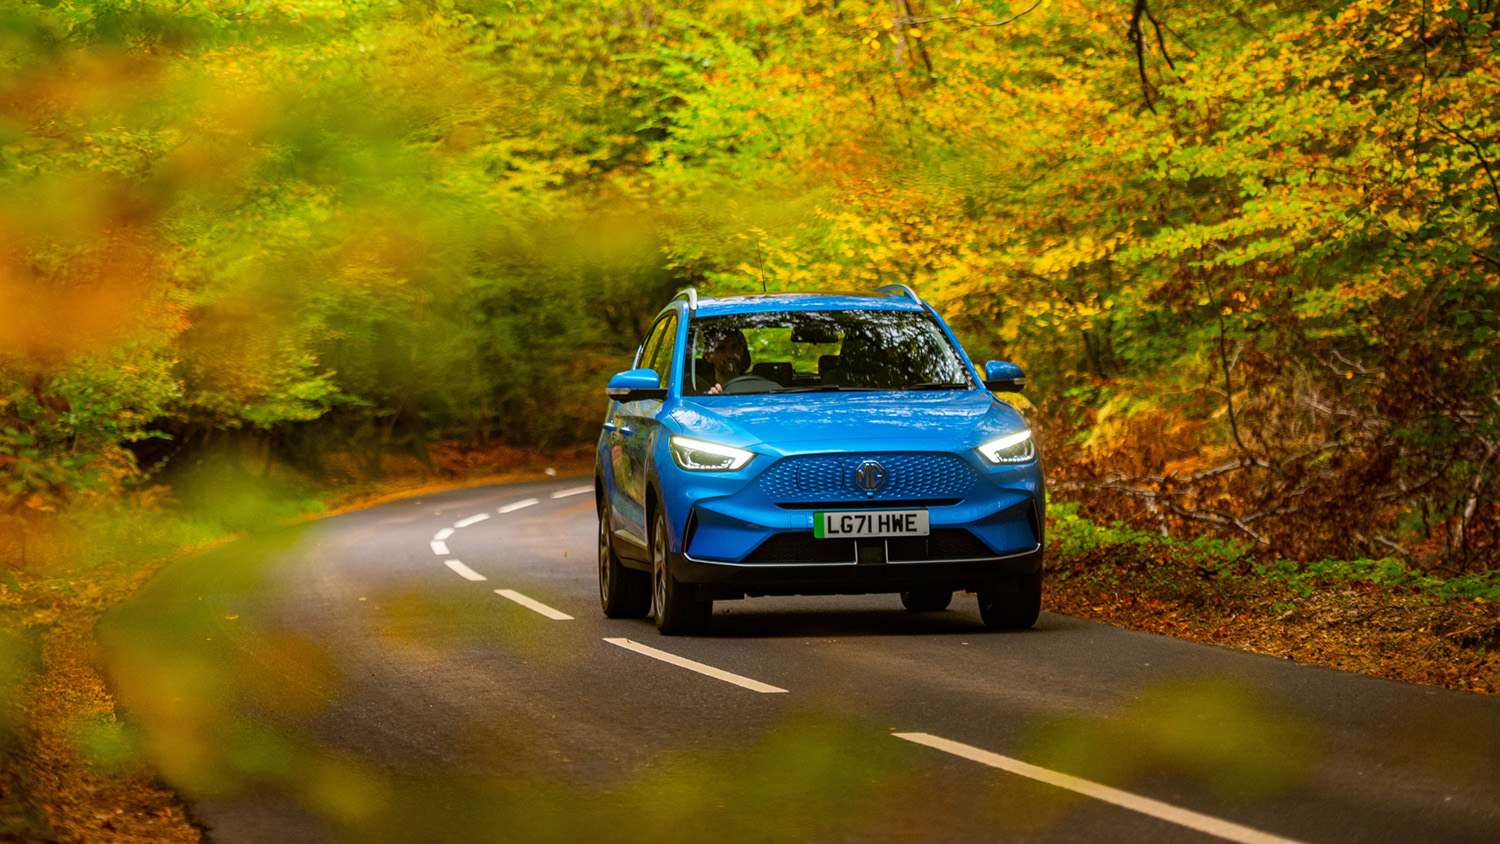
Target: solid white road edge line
column 519, row 505
column 706, row 670
column 472, row 520
column 1145, row 805
column 577, row 490
column 463, row 571
column 439, row 548
column 443, row 534
column 533, row 605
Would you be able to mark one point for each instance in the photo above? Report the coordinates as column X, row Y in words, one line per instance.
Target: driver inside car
column 730, row 356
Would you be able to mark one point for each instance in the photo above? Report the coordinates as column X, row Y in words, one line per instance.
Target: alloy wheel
column 659, row 567
column 605, row 571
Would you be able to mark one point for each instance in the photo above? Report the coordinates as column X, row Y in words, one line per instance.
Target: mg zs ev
column 799, row 444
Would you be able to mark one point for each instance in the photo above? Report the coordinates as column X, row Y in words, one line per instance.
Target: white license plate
column 853, row 523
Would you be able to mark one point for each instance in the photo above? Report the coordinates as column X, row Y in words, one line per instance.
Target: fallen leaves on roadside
column 1381, row 631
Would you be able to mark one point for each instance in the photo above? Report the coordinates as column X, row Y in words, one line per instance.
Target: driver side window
column 659, row 349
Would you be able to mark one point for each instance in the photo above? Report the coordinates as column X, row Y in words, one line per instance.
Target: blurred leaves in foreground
column 304, row 230
column 1219, row 731
column 227, row 704
column 19, row 660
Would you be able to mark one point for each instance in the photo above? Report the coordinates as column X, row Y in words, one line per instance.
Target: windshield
column 815, row 351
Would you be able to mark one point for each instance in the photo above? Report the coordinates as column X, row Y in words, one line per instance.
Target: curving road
column 437, row 669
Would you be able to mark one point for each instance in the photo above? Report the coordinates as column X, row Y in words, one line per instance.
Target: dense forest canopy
column 1246, row 252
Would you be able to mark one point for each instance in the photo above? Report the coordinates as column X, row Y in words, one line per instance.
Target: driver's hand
column 716, row 390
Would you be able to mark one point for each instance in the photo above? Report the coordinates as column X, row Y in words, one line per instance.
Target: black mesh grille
column 802, row 548
column 941, row 544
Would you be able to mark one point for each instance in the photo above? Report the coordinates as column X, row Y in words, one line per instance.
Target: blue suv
column 802, row 444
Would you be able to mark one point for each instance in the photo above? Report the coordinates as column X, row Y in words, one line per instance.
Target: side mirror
column 1003, row 377
column 635, row 384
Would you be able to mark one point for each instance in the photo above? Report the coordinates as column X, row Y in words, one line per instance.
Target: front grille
column 830, row 478
column 941, row 544
column 801, row 547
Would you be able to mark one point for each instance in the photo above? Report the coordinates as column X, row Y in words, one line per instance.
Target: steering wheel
column 748, row 383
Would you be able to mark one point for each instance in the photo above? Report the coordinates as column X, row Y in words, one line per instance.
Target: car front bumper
column 718, row 580
column 754, row 534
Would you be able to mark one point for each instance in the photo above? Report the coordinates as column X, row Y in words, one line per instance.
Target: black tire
column 927, row 600
column 678, row 611
column 1013, row 610
column 623, row 592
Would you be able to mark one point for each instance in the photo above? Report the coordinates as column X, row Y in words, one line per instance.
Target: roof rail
column 899, row 288
column 691, row 295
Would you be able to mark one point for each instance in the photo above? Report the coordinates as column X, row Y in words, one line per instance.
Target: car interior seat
column 829, row 369
column 856, row 362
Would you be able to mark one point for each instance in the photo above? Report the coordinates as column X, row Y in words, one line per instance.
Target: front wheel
column 678, row 612
column 623, row 592
column 1013, row 610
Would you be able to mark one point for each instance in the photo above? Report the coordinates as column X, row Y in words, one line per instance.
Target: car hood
column 807, row 422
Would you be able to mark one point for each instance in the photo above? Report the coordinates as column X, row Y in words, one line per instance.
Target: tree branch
column 1234, row 427
column 1159, row 40
column 1138, row 41
column 1479, row 153
column 1242, row 463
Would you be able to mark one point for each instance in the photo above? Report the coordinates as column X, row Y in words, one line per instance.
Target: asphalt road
column 437, row 669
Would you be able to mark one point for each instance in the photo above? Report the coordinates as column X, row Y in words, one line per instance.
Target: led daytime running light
column 700, row 456
column 1012, row 448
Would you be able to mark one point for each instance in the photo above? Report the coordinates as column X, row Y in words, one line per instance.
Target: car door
column 634, row 425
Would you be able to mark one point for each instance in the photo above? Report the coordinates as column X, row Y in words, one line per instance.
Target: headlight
column 700, row 456
column 1012, row 448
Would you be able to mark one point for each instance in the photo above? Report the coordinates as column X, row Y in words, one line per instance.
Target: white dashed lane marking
column 463, row 571
column 691, row 665
column 1216, row 827
column 439, row 547
column 533, row 605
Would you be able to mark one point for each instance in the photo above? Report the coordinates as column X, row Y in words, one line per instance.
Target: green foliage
column 219, row 492
column 1072, row 536
column 35, row 481
column 141, row 529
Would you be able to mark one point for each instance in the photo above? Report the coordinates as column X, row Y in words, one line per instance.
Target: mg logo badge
column 869, row 475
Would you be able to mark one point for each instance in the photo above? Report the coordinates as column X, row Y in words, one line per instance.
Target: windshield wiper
column 830, row 388
column 938, row 385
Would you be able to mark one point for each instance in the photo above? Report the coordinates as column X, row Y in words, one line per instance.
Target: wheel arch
column 653, row 504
